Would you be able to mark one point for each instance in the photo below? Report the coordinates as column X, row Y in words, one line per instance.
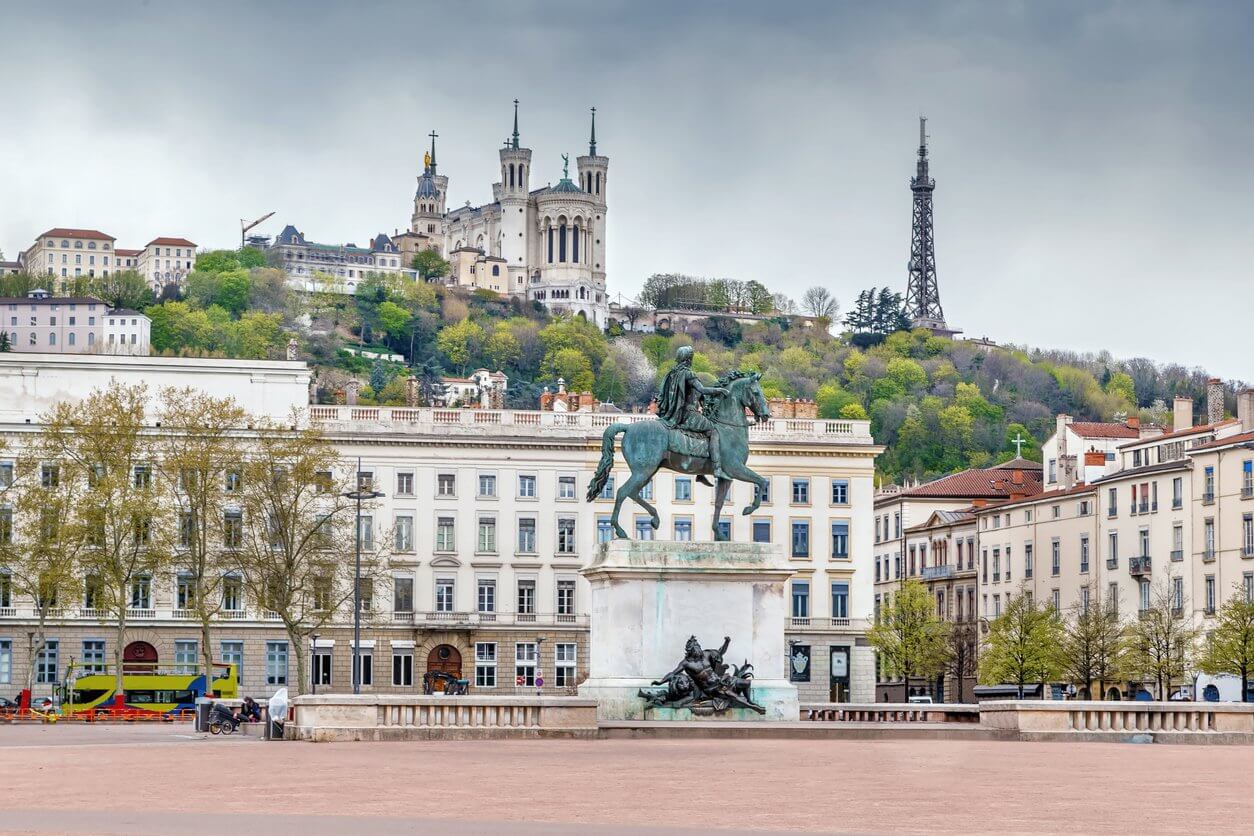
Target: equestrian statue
column 700, row 429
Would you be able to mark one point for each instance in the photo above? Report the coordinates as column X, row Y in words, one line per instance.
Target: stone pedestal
column 648, row 597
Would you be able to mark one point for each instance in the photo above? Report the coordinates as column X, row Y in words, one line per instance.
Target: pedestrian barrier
column 836, row 712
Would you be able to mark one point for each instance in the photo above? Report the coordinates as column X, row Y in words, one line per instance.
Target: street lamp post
column 358, row 495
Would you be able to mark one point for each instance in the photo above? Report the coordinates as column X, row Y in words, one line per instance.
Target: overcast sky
column 1092, row 159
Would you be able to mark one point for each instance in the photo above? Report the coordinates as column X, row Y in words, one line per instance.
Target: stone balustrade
column 886, row 712
column 1094, row 720
column 338, row 717
column 425, row 420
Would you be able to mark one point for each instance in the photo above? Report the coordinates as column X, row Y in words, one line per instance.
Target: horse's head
column 746, row 390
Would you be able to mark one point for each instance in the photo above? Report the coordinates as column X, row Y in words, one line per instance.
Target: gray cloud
column 1090, row 158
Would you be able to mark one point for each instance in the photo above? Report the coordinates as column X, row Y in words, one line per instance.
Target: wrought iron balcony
column 1139, row 565
column 1208, row 498
column 937, row 572
column 1112, row 563
column 1247, row 491
column 1208, row 555
column 1177, row 555
column 1143, row 508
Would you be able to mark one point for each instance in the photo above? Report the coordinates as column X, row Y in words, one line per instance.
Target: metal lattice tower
column 922, row 304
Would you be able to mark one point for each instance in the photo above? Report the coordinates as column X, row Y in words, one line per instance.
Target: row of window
column 527, row 670
column 801, row 599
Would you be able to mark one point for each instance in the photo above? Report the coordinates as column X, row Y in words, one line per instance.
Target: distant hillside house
column 346, row 264
column 563, row 401
column 46, row 324
column 481, row 388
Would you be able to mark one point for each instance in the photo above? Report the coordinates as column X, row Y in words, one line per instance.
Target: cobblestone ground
column 158, row 779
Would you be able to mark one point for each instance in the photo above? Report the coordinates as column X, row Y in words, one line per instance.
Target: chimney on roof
column 1132, row 422
column 1214, row 401
column 1016, row 477
column 350, row 391
column 1066, row 471
column 1060, row 432
column 978, row 503
column 1181, row 413
column 1245, row 409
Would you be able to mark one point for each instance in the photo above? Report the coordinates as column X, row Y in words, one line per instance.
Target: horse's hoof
column 749, row 510
column 655, row 522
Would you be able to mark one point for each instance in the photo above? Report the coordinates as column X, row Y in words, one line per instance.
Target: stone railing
column 424, row 420
column 823, row 622
column 1076, row 719
column 887, row 712
column 336, row 717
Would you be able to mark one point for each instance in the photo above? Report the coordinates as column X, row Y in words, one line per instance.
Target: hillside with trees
column 938, row 404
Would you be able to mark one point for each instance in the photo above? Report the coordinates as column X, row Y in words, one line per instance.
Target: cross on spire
column 433, row 135
column 514, row 140
column 1018, row 441
column 592, row 142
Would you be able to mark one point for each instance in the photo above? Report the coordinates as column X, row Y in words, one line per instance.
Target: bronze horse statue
column 649, row 446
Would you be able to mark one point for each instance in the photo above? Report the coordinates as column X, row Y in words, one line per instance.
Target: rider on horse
column 678, row 406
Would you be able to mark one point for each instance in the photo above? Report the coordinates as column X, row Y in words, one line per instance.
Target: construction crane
column 245, row 226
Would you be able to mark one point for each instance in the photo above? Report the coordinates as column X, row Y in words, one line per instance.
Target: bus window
column 89, row 696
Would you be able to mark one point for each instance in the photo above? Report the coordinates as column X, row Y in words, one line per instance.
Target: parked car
column 41, row 703
column 7, row 704
column 920, row 698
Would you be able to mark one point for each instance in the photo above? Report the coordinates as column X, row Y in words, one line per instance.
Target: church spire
column 431, row 157
column 514, row 140
column 592, row 142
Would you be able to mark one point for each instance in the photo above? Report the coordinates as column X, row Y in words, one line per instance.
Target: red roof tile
column 1239, row 438
column 66, row 232
column 978, row 483
column 124, row 252
column 1200, row 428
column 1078, row 488
column 1097, row 429
column 170, row 242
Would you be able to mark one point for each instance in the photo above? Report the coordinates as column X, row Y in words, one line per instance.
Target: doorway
column 139, row 657
column 446, row 659
column 839, row 688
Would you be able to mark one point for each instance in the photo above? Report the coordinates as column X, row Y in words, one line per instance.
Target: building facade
column 485, row 529
column 67, row 253
column 163, row 261
column 543, row 244
column 46, row 324
column 344, row 265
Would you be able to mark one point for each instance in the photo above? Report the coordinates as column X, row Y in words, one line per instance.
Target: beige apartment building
column 951, row 578
column 485, row 528
column 164, row 261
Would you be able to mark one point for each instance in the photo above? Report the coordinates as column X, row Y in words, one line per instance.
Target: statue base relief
column 651, row 598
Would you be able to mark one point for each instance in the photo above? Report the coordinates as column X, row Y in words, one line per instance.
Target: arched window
column 496, row 269
column 52, row 339
column 91, row 338
column 521, row 180
column 574, row 245
column 71, row 338
column 550, row 231
column 598, row 182
column 561, row 241
column 511, row 175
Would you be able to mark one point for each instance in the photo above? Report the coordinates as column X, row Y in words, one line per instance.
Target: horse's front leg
column 741, row 472
column 720, row 497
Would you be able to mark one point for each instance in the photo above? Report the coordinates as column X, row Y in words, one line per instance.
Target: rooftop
column 1100, row 429
column 1232, row 440
column 997, row 482
column 170, row 242
column 1200, row 428
column 70, row 232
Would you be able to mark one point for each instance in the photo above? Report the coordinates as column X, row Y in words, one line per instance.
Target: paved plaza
column 167, row 780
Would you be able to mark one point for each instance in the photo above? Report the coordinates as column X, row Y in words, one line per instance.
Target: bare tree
column 298, row 526
column 962, row 656
column 39, row 544
column 819, row 302
column 1093, row 647
column 1163, row 640
column 124, row 526
column 199, row 452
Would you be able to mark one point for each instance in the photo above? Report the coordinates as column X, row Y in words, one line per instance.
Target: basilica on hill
column 544, row 244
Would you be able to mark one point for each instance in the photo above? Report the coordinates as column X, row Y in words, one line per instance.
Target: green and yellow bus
column 152, row 690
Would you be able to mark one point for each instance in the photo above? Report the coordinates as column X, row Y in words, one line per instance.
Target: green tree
column 1163, row 640
column 906, row 373
column 656, row 348
column 1022, row 644
column 1229, row 647
column 392, row 318
column 430, row 265
column 911, row 639
column 430, row 382
column 378, row 376
column 502, row 347
column 760, row 300
column 1093, row 646
column 122, row 289
column 234, row 288
column 853, row 412
column 571, row 365
column 831, row 399
column 460, row 342
column 611, row 383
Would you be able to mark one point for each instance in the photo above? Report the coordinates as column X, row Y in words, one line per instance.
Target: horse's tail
column 607, row 460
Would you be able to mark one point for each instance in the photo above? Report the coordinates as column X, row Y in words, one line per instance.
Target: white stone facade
column 542, row 244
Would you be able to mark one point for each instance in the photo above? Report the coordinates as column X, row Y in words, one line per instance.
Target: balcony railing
column 1247, row 491
column 473, row 619
column 1112, row 512
column 403, row 617
column 1112, row 563
column 591, row 424
column 816, row 622
column 141, row 613
column 231, row 615
column 1139, row 565
column 1143, row 508
column 1177, row 555
column 8, row 612
column 936, row 572
column 1208, row 498
column 1208, row 555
